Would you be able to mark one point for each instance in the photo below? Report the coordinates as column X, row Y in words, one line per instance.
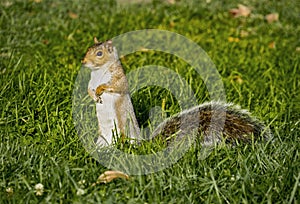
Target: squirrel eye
column 99, row 53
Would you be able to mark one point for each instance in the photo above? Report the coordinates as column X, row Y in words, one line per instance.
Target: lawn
column 42, row 43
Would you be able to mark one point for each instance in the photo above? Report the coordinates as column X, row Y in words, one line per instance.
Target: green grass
column 41, row 48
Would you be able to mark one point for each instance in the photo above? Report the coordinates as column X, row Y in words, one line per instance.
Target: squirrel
column 108, row 87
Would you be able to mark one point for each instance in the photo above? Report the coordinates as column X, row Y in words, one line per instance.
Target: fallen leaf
column 244, row 33
column 272, row 17
column 171, row 1
column 242, row 10
column 46, row 42
column 143, row 49
column 124, row 2
column 232, row 39
column 272, row 45
column 108, row 176
column 73, row 15
column 172, row 24
column 238, row 79
column 7, row 3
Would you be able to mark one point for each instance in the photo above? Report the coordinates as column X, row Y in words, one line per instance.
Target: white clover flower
column 39, row 189
column 10, row 190
column 80, row 192
column 81, row 182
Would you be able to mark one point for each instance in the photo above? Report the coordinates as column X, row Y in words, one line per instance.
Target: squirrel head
column 99, row 54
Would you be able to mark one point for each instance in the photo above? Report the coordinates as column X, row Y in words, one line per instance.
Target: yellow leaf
column 73, row 15
column 232, row 39
column 244, row 33
column 272, row 17
column 143, row 49
column 108, row 176
column 237, row 79
column 272, row 45
column 242, row 10
column 171, row 1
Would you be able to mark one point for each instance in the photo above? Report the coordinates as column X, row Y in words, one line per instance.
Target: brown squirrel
column 108, row 87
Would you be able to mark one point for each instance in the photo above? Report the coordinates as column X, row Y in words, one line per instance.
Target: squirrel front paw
column 94, row 96
column 97, row 97
column 99, row 90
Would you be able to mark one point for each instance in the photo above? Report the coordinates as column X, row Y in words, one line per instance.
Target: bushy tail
column 215, row 121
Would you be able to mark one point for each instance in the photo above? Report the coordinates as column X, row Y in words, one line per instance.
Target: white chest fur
column 106, row 114
column 98, row 77
column 112, row 118
column 114, row 112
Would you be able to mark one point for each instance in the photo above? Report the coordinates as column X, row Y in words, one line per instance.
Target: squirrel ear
column 96, row 40
column 109, row 46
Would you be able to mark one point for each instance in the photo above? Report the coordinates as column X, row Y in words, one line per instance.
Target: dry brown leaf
column 272, row 45
column 172, row 24
column 108, row 176
column 125, row 2
column 272, row 17
column 242, row 10
column 238, row 79
column 244, row 33
column 73, row 15
column 143, row 49
column 46, row 42
column 6, row 3
column 171, row 1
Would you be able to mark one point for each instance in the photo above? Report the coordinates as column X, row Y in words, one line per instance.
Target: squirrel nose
column 83, row 61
